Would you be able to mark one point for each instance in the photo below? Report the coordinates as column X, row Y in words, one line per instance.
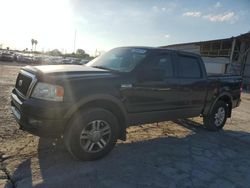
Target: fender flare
column 217, row 98
column 95, row 97
column 85, row 100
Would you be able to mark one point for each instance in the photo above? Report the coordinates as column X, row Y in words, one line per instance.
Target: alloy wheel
column 95, row 136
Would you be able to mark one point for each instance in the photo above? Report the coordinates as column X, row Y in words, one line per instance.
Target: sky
column 102, row 25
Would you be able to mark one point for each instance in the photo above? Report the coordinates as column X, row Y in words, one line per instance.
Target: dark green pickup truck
column 92, row 105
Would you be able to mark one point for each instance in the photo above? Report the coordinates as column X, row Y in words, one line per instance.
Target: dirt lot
column 170, row 154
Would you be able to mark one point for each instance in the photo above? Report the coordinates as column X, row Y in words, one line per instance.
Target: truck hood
column 67, row 71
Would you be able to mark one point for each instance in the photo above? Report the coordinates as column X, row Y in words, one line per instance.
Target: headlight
column 48, row 92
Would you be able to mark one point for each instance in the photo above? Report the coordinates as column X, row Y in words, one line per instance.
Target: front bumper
column 41, row 118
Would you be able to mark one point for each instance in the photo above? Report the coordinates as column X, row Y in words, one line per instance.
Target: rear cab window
column 188, row 67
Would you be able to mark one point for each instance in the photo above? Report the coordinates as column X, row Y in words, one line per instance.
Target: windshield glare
column 119, row 59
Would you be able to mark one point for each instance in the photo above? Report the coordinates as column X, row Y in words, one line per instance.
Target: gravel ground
column 168, row 154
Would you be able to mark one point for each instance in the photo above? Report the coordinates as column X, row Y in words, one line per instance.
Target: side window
column 164, row 62
column 189, row 67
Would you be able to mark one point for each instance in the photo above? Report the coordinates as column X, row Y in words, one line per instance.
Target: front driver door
column 156, row 95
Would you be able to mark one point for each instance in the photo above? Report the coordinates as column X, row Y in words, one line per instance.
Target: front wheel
column 91, row 134
column 217, row 118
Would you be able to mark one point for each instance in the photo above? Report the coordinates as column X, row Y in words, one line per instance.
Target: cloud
column 158, row 9
column 217, row 4
column 170, row 7
column 167, row 36
column 230, row 17
column 224, row 17
column 192, row 14
column 155, row 8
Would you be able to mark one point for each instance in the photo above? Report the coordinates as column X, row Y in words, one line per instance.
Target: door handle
column 126, row 86
column 163, row 89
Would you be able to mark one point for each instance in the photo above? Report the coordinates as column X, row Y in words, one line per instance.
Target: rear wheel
column 91, row 134
column 217, row 118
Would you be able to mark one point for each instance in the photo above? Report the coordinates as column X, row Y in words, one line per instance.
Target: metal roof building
column 229, row 55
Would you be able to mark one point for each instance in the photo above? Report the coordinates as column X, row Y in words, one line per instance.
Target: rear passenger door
column 193, row 82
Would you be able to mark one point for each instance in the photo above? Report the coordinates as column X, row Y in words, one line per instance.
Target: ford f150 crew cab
column 92, row 105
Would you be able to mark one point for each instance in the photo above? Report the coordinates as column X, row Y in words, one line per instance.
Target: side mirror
column 149, row 74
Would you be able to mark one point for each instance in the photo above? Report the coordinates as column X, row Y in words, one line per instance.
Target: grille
column 23, row 83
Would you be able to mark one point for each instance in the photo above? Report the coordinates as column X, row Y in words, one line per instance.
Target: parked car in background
column 56, row 60
column 24, row 58
column 83, row 61
column 75, row 61
column 46, row 60
column 38, row 59
column 66, row 61
column 7, row 56
column 71, row 60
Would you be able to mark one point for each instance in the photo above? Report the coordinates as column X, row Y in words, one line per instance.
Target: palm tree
column 35, row 42
column 32, row 43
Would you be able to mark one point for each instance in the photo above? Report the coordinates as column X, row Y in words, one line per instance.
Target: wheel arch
column 107, row 102
column 225, row 97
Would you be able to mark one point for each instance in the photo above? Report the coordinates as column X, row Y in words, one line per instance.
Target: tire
column 91, row 134
column 216, row 120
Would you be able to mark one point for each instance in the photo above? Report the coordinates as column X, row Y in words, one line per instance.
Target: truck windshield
column 119, row 59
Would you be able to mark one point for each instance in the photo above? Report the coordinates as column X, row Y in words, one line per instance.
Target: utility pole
column 75, row 42
column 231, row 56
